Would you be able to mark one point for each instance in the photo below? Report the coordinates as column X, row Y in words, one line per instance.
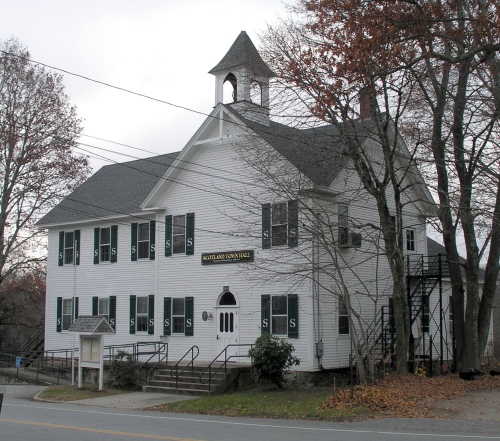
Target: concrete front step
column 178, row 391
column 195, row 377
column 189, row 381
column 186, row 384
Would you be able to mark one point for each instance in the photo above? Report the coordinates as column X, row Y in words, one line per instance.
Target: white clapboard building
column 212, row 246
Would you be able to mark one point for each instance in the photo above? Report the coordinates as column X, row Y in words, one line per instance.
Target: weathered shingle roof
column 243, row 52
column 113, row 190
column 319, row 153
column 89, row 324
column 119, row 189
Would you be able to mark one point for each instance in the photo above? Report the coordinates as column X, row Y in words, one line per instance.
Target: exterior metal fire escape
column 430, row 338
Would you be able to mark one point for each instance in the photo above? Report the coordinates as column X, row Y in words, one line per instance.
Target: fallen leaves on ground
column 408, row 396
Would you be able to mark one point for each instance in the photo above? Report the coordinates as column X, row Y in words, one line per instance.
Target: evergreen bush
column 271, row 357
column 123, row 372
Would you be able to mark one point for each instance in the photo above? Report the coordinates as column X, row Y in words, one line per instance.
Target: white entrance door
column 227, row 332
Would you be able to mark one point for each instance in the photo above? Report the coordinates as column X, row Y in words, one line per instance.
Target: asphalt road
column 22, row 419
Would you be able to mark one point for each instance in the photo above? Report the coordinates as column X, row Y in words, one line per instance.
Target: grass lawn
column 70, row 393
column 395, row 396
column 288, row 403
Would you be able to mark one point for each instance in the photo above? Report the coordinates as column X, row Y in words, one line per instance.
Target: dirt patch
column 477, row 405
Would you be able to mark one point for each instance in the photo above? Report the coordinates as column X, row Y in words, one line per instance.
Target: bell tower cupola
column 242, row 80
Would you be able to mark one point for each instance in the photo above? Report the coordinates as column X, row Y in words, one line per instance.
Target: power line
column 256, row 129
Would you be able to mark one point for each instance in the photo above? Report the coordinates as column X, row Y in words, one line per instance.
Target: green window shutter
column 168, row 236
column 133, row 243
column 293, row 316
column 75, row 309
column 59, row 314
column 167, row 315
column 132, row 314
column 151, row 314
column 265, row 314
column 60, row 256
column 189, row 315
column 77, row 250
column 114, row 243
column 190, row 233
column 95, row 305
column 96, row 245
column 293, row 223
column 266, row 226
column 112, row 312
column 152, row 238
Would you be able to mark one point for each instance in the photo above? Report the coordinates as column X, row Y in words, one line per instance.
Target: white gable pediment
column 214, row 129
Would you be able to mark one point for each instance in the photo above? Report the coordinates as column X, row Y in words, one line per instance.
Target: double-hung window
column 106, row 244
column 66, row 312
column 142, row 313
column 178, row 315
column 105, row 307
column 280, row 222
column 143, row 240
column 343, row 317
column 69, row 248
column 179, row 234
column 410, row 240
column 280, row 315
column 346, row 238
column 343, row 224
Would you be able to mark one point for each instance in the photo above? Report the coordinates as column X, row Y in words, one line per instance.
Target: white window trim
column 183, row 315
column 139, row 257
column 285, row 334
column 142, row 314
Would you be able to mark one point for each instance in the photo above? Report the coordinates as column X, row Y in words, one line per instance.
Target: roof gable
column 89, row 324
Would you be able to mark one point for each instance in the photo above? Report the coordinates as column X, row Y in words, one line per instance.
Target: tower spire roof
column 243, row 52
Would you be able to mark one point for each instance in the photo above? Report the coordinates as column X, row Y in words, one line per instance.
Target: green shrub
column 122, row 372
column 271, row 357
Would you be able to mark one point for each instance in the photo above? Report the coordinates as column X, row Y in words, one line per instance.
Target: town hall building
column 218, row 243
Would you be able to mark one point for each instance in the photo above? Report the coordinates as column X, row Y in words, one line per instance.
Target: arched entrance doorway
column 227, row 323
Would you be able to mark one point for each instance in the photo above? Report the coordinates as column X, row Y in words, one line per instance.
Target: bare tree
column 329, row 255
column 38, row 165
column 431, row 66
column 22, row 308
column 385, row 167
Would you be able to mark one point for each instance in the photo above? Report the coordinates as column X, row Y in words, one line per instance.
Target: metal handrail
column 41, row 366
column 176, row 366
column 162, row 347
column 223, row 365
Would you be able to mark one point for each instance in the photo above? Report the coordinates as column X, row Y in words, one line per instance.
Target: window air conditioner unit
column 350, row 240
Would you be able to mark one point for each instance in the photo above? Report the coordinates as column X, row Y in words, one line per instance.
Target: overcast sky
column 160, row 48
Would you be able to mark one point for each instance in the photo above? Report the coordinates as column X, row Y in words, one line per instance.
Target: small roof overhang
column 91, row 325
